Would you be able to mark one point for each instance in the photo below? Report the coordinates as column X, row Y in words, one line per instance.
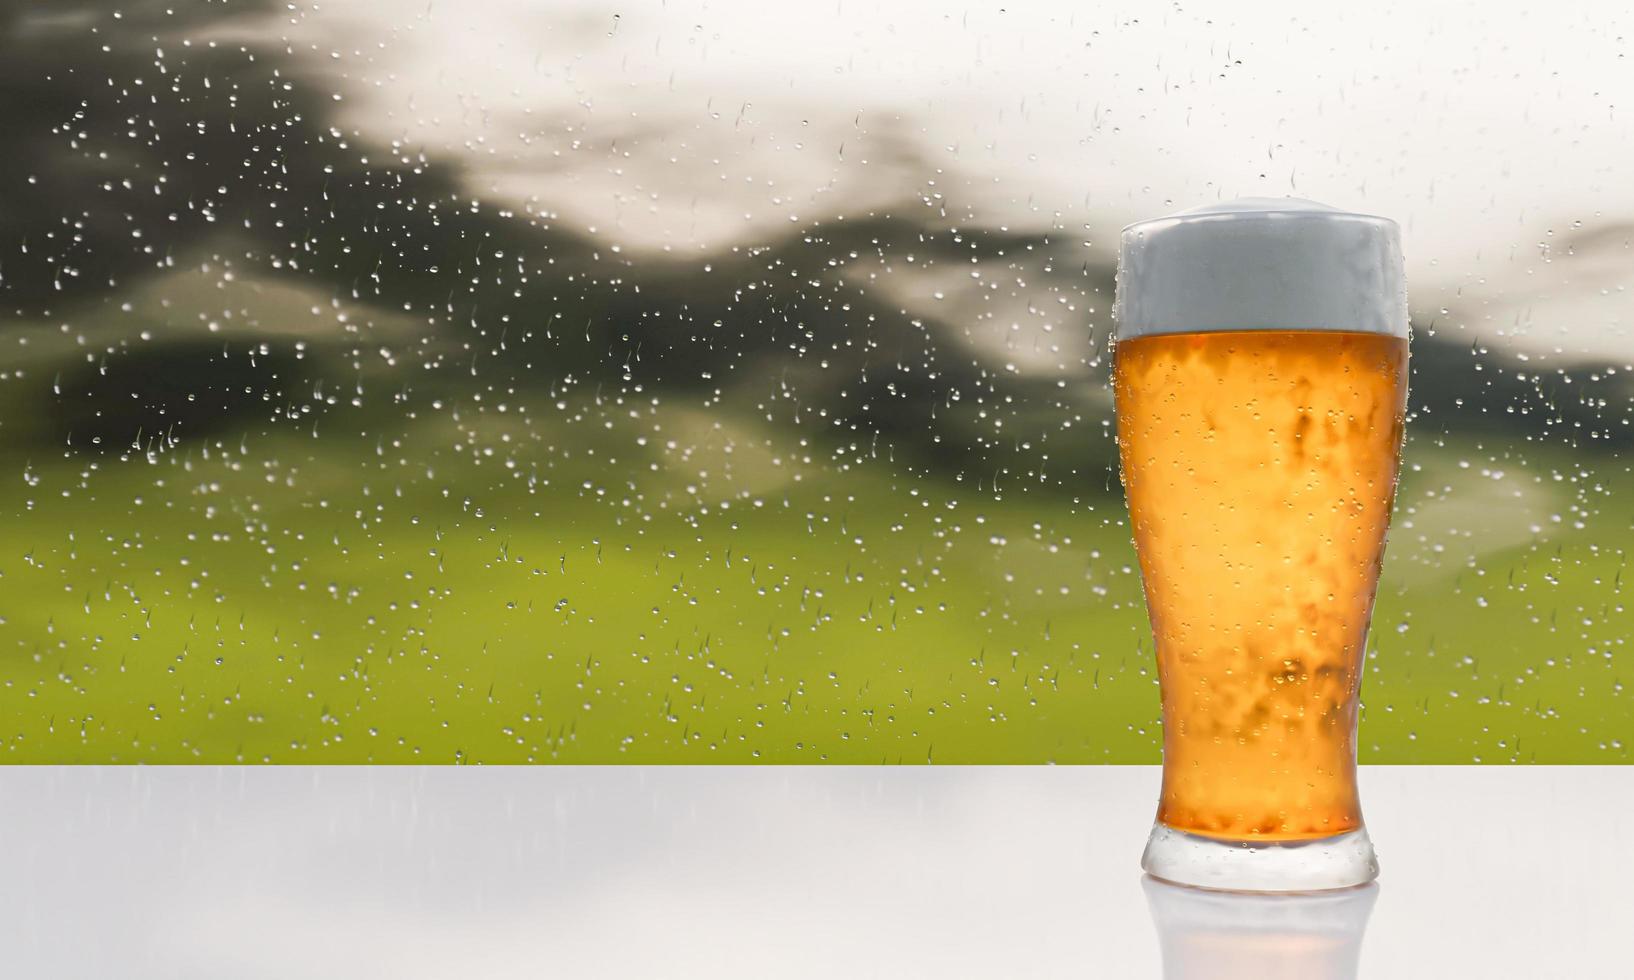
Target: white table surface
column 776, row 872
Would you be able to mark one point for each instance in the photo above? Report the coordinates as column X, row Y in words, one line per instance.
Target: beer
column 1259, row 468
column 1260, row 382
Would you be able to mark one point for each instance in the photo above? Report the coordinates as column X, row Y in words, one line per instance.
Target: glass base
column 1342, row 861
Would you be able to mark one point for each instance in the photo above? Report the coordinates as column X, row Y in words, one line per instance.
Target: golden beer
column 1260, row 468
column 1260, row 382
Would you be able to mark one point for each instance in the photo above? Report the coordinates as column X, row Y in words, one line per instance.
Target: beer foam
column 1261, row 263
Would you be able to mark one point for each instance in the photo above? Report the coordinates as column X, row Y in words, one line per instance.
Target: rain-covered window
column 682, row 383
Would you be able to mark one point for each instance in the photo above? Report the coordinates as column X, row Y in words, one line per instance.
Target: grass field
column 440, row 597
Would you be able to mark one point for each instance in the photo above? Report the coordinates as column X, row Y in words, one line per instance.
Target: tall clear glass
column 1260, row 374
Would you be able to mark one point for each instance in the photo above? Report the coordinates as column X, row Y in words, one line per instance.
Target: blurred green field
column 717, row 597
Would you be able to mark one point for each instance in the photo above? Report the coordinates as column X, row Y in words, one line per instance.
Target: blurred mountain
column 140, row 145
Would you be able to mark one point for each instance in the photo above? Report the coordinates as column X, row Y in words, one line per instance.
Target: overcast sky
column 1492, row 131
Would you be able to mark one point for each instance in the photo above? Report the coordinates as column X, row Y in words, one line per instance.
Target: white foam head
column 1261, row 264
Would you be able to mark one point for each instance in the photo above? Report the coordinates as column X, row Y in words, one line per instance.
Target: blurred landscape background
column 728, row 383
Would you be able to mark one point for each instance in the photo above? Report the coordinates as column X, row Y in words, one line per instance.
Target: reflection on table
column 1208, row 935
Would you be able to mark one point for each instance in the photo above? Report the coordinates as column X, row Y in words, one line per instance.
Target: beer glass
column 1260, row 375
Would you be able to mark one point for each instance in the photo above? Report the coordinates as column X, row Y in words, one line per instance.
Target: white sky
column 1492, row 131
